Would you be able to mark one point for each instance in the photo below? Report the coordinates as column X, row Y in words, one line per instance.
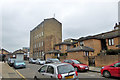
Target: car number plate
column 68, row 77
column 86, row 68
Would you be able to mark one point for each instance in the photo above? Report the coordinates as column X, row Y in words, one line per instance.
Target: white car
column 58, row 71
column 41, row 62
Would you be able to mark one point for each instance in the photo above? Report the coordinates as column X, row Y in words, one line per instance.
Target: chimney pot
column 115, row 24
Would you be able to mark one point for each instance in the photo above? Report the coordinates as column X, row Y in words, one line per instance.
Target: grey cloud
column 79, row 18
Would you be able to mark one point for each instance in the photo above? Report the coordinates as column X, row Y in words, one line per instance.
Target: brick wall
column 77, row 55
column 106, row 60
column 95, row 44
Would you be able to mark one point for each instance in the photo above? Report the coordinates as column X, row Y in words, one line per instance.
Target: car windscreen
column 19, row 62
column 67, row 68
column 77, row 62
column 54, row 60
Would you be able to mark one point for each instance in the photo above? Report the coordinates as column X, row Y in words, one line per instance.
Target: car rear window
column 65, row 68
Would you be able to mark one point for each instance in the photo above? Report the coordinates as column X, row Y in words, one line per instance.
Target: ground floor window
column 56, row 54
column 86, row 53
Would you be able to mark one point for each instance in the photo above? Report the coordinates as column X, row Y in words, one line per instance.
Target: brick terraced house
column 86, row 48
column 44, row 36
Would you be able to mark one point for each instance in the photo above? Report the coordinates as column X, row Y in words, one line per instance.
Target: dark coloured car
column 111, row 70
column 79, row 66
column 11, row 61
column 19, row 64
column 52, row 60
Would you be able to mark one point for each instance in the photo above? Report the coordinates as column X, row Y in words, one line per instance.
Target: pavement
column 94, row 69
column 7, row 72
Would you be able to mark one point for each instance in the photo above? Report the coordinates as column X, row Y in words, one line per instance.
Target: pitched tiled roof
column 53, row 51
column 67, row 43
column 81, row 48
column 86, row 38
column 110, row 34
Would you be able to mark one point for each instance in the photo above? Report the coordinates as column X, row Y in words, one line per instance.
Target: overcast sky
column 78, row 17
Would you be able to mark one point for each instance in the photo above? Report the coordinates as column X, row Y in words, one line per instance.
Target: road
column 31, row 69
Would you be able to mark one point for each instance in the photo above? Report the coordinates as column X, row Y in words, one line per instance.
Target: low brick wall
column 76, row 55
column 106, row 60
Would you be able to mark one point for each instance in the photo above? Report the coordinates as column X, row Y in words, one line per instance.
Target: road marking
column 21, row 75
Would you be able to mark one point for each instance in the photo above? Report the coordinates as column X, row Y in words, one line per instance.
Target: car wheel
column 106, row 74
column 76, row 69
column 35, row 78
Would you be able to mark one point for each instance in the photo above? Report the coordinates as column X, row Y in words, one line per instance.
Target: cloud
column 78, row 17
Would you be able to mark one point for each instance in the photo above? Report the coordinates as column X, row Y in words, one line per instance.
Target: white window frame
column 42, row 43
column 42, row 33
column 111, row 42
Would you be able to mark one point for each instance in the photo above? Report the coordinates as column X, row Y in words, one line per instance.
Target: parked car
column 31, row 60
column 57, row 71
column 52, row 60
column 111, row 70
column 11, row 61
column 39, row 61
column 19, row 64
column 79, row 66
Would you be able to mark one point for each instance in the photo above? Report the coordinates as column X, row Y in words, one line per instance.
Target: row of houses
column 87, row 48
column 20, row 54
column 46, row 42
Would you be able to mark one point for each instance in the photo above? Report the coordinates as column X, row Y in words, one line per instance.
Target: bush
column 112, row 52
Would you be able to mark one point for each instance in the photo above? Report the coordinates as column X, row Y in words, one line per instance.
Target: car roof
column 56, row 64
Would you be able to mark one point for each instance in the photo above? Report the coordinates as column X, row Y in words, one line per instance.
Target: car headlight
column 102, row 67
column 81, row 66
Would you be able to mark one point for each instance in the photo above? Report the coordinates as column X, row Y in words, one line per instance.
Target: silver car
column 38, row 61
column 58, row 71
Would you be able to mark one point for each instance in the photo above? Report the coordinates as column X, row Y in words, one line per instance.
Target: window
column 42, row 33
column 50, row 69
column 42, row 43
column 70, row 61
column 56, row 54
column 74, row 46
column 60, row 47
column 66, row 61
column 82, row 43
column 110, row 42
column 86, row 54
column 68, row 47
column 117, row 65
column 39, row 44
column 62, row 69
column 42, row 69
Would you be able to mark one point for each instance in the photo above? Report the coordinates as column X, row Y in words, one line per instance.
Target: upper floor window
column 82, row 43
column 42, row 33
column 110, row 42
column 42, row 43
column 35, row 45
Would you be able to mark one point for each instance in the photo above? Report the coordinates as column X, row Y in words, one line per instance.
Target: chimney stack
column 115, row 24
